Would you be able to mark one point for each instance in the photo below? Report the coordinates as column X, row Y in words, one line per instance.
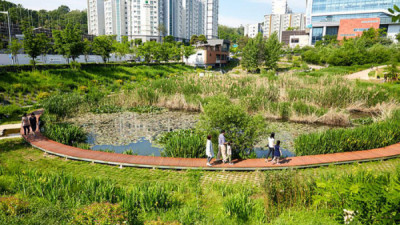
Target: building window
column 316, row 34
column 294, row 40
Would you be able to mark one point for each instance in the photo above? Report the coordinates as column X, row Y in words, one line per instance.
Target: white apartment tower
column 211, row 22
column 96, row 17
column 279, row 7
column 278, row 23
column 144, row 19
column 251, row 30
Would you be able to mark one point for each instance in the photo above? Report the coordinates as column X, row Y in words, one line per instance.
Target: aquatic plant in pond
column 65, row 133
column 376, row 135
column 183, row 144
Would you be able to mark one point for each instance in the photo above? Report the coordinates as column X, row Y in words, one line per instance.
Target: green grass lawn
column 200, row 197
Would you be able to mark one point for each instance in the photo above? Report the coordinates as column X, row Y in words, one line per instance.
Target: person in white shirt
column 222, row 147
column 271, row 146
column 209, row 150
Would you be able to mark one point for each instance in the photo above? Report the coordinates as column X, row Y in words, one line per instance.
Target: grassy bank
column 19, row 89
column 50, row 190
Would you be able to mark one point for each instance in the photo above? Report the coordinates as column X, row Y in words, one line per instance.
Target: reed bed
column 375, row 135
column 288, row 96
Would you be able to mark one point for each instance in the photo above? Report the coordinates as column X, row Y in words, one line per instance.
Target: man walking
column 222, row 147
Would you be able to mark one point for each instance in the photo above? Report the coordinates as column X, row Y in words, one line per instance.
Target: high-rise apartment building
column 251, row 30
column 324, row 17
column 151, row 19
column 278, row 23
column 96, row 17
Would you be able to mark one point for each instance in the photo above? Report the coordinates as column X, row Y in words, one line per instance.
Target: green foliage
column 100, row 214
column 376, row 135
column 62, row 104
column 373, row 198
column 230, row 33
column 14, row 49
column 65, row 133
column 242, row 130
column 68, row 42
column 273, row 51
column 103, row 46
column 371, row 47
column 34, row 44
column 238, row 205
column 259, row 51
column 184, row 144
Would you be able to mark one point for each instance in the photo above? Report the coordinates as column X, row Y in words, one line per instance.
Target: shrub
column 371, row 136
column 100, row 214
column 65, row 133
column 13, row 206
column 10, row 110
column 242, row 130
column 147, row 109
column 184, row 144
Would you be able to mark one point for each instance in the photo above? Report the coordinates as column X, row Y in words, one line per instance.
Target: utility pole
column 9, row 29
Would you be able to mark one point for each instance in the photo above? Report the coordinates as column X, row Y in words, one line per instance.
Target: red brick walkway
column 69, row 152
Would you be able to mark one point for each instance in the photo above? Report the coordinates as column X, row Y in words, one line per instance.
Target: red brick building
column 351, row 28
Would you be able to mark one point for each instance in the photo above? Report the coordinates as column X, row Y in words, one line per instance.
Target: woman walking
column 25, row 124
column 271, row 145
column 209, row 150
column 33, row 122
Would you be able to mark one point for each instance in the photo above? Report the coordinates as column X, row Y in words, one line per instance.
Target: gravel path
column 363, row 75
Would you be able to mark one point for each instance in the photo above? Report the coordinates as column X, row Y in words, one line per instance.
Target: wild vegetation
column 75, row 192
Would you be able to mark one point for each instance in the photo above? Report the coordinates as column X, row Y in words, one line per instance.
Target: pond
column 138, row 132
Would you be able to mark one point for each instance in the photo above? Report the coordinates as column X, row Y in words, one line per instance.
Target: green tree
column 122, row 48
column 202, row 39
column 68, row 42
column 34, row 44
column 242, row 130
column 392, row 72
column 249, row 57
column 169, row 39
column 14, row 49
column 273, row 50
column 103, row 46
column 87, row 48
column 230, row 33
column 148, row 50
column 188, row 51
column 194, row 39
column 396, row 12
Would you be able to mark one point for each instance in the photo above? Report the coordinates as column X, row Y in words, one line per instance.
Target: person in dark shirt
column 277, row 153
column 33, row 122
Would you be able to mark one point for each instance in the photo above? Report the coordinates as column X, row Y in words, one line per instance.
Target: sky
column 231, row 12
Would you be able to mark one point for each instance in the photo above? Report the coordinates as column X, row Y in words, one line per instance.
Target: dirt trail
column 363, row 75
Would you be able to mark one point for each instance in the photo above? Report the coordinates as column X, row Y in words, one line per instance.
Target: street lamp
column 9, row 29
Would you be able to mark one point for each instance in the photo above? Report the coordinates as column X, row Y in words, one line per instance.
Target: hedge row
column 19, row 68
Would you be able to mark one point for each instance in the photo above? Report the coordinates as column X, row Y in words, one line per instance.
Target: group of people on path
column 29, row 123
column 225, row 149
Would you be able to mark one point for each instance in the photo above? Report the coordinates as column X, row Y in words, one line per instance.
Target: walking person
column 33, row 122
column 277, row 153
column 25, row 124
column 229, row 153
column 209, row 150
column 271, row 145
column 222, row 147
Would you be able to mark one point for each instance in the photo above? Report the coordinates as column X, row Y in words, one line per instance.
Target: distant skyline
column 231, row 12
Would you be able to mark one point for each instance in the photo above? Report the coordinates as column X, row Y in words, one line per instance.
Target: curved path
column 68, row 152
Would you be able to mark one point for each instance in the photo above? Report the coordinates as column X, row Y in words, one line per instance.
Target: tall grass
column 376, row 135
column 65, row 133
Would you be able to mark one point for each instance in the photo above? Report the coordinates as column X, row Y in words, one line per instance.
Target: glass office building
column 324, row 15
